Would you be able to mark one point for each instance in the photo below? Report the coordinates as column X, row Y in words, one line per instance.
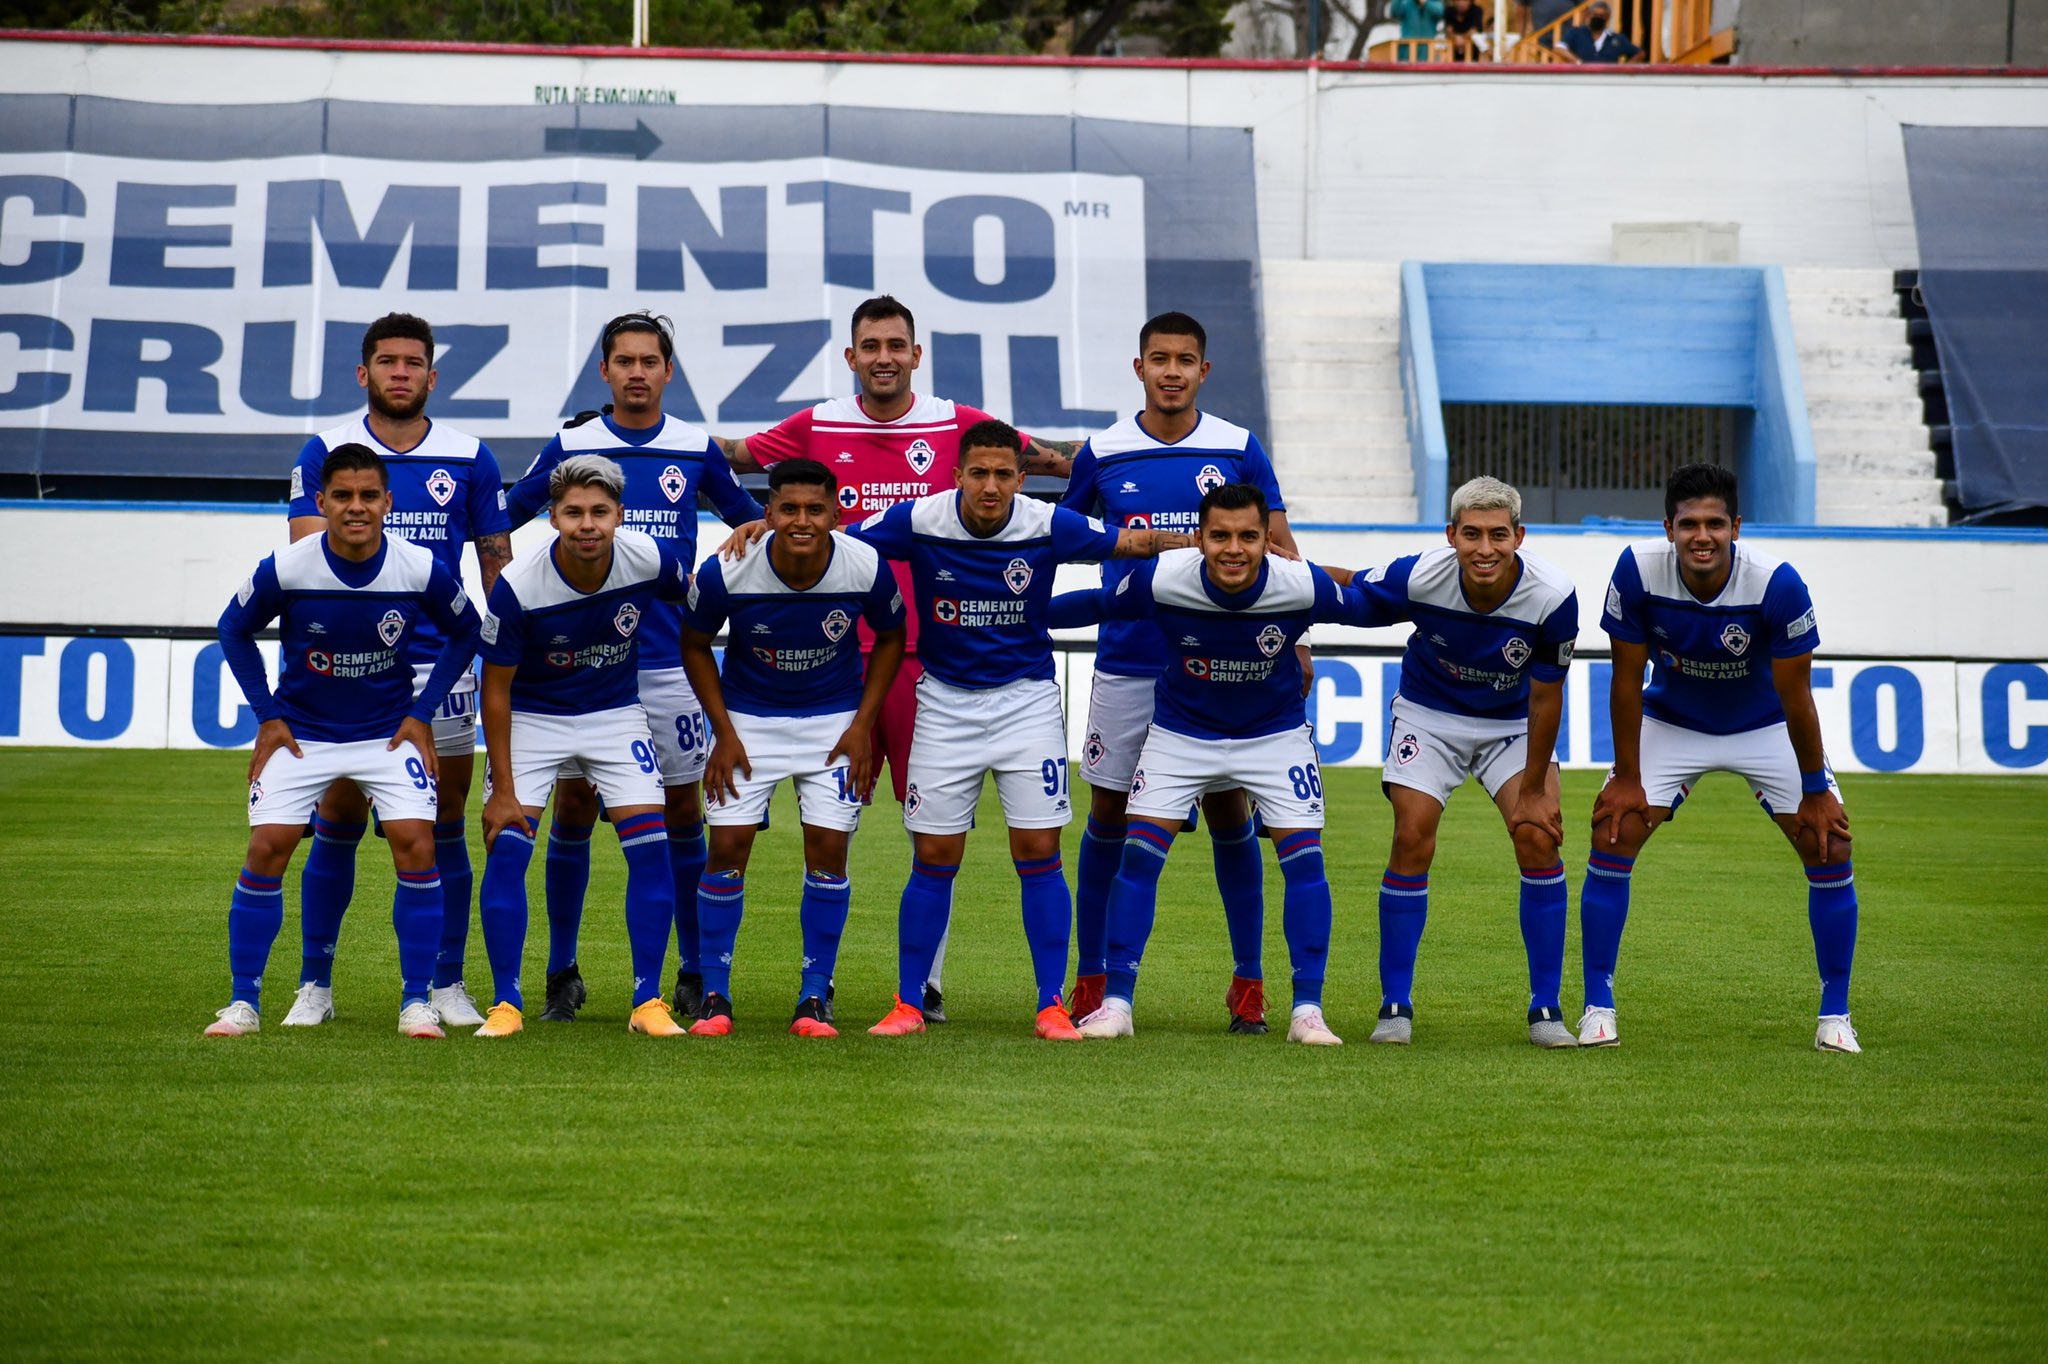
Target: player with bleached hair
column 1481, row 695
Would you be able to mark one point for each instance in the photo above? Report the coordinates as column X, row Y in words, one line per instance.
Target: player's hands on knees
column 1620, row 798
column 737, row 543
column 1539, row 811
column 1822, row 822
column 857, row 747
column 726, row 755
column 418, row 733
column 501, row 811
column 271, row 735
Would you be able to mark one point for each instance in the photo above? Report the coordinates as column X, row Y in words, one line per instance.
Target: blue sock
column 1543, row 912
column 1094, row 868
column 650, row 899
column 721, row 902
column 920, row 921
column 687, row 853
column 1048, row 917
column 255, row 914
column 326, row 883
column 1241, row 881
column 568, row 878
column 1404, row 910
column 1305, row 911
column 417, row 913
column 823, row 915
column 451, row 855
column 1831, row 910
column 1603, row 910
column 502, row 907
column 1133, row 902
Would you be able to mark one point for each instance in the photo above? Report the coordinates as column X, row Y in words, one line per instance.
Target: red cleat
column 810, row 1020
column 1055, row 1024
column 1087, row 996
column 900, row 1021
column 718, row 1025
column 1247, row 1004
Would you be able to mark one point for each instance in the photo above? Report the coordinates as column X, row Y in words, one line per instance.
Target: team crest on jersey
column 628, row 617
column 673, row 483
column 441, row 486
column 1564, row 654
column 1406, row 750
column 560, row 658
column 946, row 611
column 1017, row 576
column 1209, row 480
column 319, row 662
column 1614, row 601
column 849, row 496
column 912, row 800
column 1197, row 667
column 921, row 455
column 1735, row 638
column 1138, row 521
column 391, row 627
column 836, row 625
column 1092, row 752
column 1271, row 640
column 1516, row 651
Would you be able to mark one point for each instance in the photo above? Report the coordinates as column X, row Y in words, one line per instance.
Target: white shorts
column 455, row 721
column 675, row 721
column 1119, row 713
column 611, row 749
column 1016, row 731
column 1432, row 751
column 288, row 788
column 1278, row 771
column 1674, row 759
column 790, row 747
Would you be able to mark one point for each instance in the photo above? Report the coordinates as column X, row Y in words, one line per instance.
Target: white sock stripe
column 1529, row 880
column 656, row 837
column 1610, row 875
column 1140, row 843
column 434, row 884
column 241, row 889
column 1313, row 850
column 518, row 835
column 1386, row 889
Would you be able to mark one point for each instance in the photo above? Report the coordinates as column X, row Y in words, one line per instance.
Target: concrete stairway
column 1873, row 463
column 1338, row 439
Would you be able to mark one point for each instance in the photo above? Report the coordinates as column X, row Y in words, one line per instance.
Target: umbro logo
column 844, row 458
column 1129, row 487
column 1440, row 641
column 761, row 629
column 944, row 575
column 316, row 628
column 1190, row 642
column 559, row 639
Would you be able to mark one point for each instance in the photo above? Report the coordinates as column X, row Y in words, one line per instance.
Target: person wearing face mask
column 1597, row 42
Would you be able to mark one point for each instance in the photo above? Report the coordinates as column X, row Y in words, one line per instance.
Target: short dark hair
column 807, row 473
column 351, row 458
column 654, row 324
column 398, row 327
column 1232, row 497
column 880, row 308
column 990, row 434
column 1700, row 480
column 1173, row 324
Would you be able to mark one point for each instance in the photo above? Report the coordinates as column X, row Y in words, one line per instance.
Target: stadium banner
column 111, row 691
column 183, row 288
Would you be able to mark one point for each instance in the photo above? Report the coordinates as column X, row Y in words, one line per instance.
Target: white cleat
column 1547, row 1029
column 419, row 1020
column 1113, row 1019
column 237, row 1020
column 455, row 1006
column 311, row 1006
column 1396, row 1026
column 1597, row 1028
column 1309, row 1029
column 1835, row 1034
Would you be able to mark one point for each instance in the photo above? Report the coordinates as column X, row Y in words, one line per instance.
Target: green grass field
column 1713, row 1187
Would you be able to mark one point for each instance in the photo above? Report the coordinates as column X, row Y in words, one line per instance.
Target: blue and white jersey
column 1466, row 662
column 1710, row 661
column 981, row 600
column 345, row 670
column 1230, row 670
column 445, row 493
column 666, row 467
column 577, row 653
column 1129, row 477
column 794, row 651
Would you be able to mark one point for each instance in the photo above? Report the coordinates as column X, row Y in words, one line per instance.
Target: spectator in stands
column 1419, row 20
column 1538, row 15
column 1596, row 42
column 1463, row 22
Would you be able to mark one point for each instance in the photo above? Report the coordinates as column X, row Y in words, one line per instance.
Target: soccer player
column 791, row 704
column 1729, row 637
column 1482, row 695
column 347, row 708
column 667, row 464
column 445, row 491
column 1229, row 715
column 561, row 672
column 887, row 445
column 1153, row 469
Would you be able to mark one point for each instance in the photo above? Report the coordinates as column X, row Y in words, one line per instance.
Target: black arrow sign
column 639, row 144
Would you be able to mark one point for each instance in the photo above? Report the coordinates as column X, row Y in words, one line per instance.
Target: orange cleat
column 1087, row 996
column 654, row 1019
column 810, row 1020
column 900, row 1021
column 1247, row 1004
column 1055, row 1024
column 719, row 1025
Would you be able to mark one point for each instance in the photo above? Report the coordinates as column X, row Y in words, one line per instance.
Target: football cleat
column 1055, row 1024
column 809, row 1020
column 1112, row 1019
column 655, row 1019
column 1396, row 1027
column 311, row 1006
column 900, row 1021
column 237, row 1020
column 566, row 994
column 689, row 993
column 1246, row 1001
column 455, row 1006
column 418, row 1019
column 1547, row 1029
column 1308, row 1028
column 1597, row 1028
column 831, row 995
column 1835, row 1034
column 504, row 1021
column 1087, row 995
column 934, row 1004
column 716, row 1018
